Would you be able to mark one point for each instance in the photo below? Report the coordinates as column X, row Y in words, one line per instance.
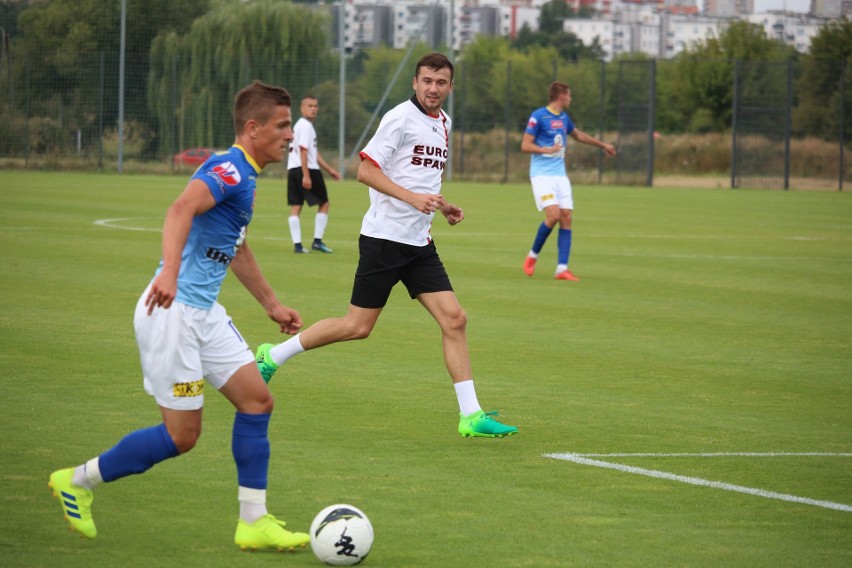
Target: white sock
column 286, row 350
column 252, row 503
column 468, row 404
column 295, row 229
column 88, row 475
column 561, row 268
column 319, row 225
column 533, row 254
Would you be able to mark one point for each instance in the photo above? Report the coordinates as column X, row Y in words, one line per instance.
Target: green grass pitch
column 711, row 324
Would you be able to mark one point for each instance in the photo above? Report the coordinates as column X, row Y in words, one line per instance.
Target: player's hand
column 454, row 215
column 556, row 148
column 163, row 291
column 306, row 183
column 609, row 149
column 426, row 203
column 287, row 319
column 335, row 174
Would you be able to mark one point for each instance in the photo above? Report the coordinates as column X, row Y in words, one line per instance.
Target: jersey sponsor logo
column 422, row 157
column 227, row 174
column 187, row 390
column 557, row 124
column 221, row 257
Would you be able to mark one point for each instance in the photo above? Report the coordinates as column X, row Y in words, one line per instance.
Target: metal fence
column 51, row 120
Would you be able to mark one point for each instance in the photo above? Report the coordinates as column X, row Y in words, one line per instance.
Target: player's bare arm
column 370, row 174
column 195, row 200
column 306, row 174
column 529, row 146
column 247, row 270
column 584, row 138
column 324, row 165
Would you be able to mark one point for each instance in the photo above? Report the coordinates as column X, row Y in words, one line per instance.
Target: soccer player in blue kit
column 545, row 137
column 186, row 338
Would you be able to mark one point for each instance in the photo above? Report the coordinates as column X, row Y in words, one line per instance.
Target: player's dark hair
column 556, row 90
column 257, row 102
column 435, row 61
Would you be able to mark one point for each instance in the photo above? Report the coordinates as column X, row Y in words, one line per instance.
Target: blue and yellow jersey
column 547, row 128
column 217, row 234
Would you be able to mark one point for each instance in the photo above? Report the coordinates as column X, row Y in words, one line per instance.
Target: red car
column 193, row 156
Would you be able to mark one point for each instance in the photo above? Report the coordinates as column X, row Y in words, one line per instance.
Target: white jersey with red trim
column 304, row 136
column 411, row 147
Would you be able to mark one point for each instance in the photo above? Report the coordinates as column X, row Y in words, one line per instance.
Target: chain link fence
column 51, row 120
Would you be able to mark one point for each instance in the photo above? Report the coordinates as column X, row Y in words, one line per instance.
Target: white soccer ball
column 341, row 535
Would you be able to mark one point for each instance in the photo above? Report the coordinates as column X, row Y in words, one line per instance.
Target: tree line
column 186, row 59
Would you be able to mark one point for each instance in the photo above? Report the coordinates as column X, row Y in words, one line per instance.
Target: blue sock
column 250, row 446
column 540, row 237
column 137, row 452
column 564, row 246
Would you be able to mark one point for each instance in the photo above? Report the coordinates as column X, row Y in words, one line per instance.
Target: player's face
column 309, row 108
column 432, row 87
column 566, row 99
column 271, row 139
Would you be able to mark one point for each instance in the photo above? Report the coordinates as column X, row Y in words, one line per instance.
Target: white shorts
column 552, row 190
column 182, row 346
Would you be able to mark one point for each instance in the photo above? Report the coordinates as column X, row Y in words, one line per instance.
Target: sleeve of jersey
column 386, row 140
column 219, row 176
column 569, row 125
column 532, row 125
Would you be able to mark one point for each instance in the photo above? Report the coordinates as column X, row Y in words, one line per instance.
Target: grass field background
column 706, row 322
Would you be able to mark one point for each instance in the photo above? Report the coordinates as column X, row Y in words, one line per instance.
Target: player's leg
column 169, row 365
column 544, row 193
column 452, row 319
column 374, row 280
column 230, row 368
column 426, row 280
column 321, row 218
column 358, row 323
column 295, row 199
column 566, row 205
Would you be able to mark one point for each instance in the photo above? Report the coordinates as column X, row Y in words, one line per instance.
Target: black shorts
column 384, row 263
column 297, row 195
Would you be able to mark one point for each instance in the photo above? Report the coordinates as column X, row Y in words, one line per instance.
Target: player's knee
column 360, row 331
column 186, row 439
column 457, row 321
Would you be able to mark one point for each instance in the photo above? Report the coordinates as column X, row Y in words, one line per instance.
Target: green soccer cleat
column 320, row 246
column 265, row 364
column 482, row 425
column 76, row 502
column 267, row 533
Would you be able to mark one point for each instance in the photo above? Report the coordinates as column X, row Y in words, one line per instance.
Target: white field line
column 581, row 459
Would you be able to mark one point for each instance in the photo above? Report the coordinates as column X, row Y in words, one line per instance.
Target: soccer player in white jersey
column 304, row 178
column 186, row 338
column 545, row 137
column 403, row 165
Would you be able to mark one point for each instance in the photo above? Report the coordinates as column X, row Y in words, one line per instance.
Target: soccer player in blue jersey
column 186, row 338
column 545, row 137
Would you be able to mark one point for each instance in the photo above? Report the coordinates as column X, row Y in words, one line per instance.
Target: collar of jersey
column 249, row 159
column 553, row 112
column 420, row 107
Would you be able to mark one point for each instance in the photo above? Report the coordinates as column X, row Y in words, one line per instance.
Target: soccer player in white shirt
column 187, row 340
column 544, row 137
column 304, row 178
column 403, row 166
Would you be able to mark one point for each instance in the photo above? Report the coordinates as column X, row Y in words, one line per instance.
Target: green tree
column 819, row 86
column 194, row 75
column 61, row 44
column 704, row 73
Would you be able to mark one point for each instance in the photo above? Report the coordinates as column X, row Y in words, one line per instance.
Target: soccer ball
column 341, row 535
